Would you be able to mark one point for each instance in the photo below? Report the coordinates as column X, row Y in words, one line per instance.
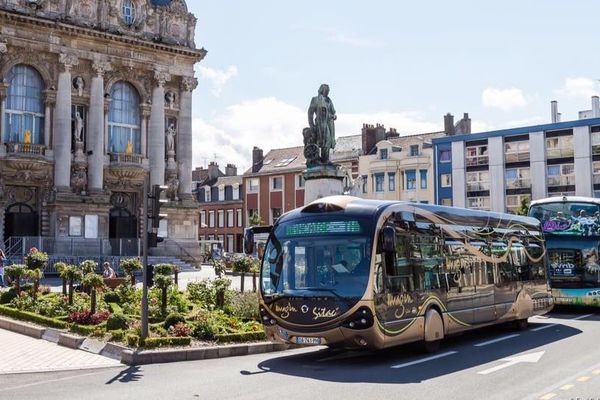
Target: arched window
column 124, row 120
column 24, row 117
column 128, row 12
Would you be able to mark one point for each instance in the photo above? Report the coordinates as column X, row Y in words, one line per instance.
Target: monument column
column 95, row 136
column 3, row 87
column 49, row 102
column 184, row 138
column 62, row 125
column 156, row 140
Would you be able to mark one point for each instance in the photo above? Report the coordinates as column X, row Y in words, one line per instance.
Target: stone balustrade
column 122, row 158
column 26, row 148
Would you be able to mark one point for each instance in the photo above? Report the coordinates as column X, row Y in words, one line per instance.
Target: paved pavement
column 556, row 358
column 21, row 354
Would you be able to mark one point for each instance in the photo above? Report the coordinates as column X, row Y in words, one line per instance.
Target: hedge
column 154, row 342
column 241, row 337
column 115, row 308
column 84, row 330
column 32, row 317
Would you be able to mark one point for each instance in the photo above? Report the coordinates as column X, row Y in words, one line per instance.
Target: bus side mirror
column 249, row 241
column 388, row 239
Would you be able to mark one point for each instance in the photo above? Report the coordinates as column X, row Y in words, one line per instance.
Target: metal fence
column 20, row 246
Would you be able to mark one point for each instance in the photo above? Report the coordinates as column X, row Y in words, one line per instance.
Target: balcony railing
column 477, row 186
column 26, row 148
column 477, row 160
column 559, row 153
column 516, row 157
column 566, row 180
column 596, row 179
column 518, row 184
column 122, row 158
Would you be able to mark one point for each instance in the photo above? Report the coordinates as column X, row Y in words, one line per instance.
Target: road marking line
column 596, row 372
column 567, row 387
column 583, row 379
column 543, row 327
column 497, row 340
column 582, row 317
column 548, row 396
column 408, row 364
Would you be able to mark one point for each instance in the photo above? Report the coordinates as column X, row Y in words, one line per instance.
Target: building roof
column 282, row 160
column 229, row 180
column 347, row 148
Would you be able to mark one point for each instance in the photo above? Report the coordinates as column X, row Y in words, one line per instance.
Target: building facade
column 497, row 170
column 95, row 97
column 221, row 204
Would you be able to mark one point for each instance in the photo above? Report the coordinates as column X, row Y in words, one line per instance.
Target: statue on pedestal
column 78, row 127
column 319, row 139
column 170, row 142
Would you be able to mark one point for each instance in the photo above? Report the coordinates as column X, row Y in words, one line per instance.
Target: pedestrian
column 108, row 272
column 2, row 261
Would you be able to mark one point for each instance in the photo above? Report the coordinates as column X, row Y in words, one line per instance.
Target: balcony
column 559, row 153
column 26, row 149
column 596, row 179
column 566, row 180
column 516, row 157
column 477, row 160
column 518, row 184
column 123, row 158
column 477, row 186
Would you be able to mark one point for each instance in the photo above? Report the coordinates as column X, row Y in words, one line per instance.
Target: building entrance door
column 20, row 220
column 123, row 232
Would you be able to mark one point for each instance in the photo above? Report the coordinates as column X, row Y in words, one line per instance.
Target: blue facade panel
column 442, row 166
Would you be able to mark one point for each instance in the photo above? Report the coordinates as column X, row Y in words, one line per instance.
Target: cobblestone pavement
column 22, row 354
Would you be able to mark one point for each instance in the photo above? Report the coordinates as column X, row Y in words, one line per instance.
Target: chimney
column 467, row 124
column 257, row 159
column 230, row 170
column 595, row 107
column 392, row 133
column 213, row 170
column 449, row 124
column 554, row 111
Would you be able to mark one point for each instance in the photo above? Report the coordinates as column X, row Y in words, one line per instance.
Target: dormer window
column 383, row 154
column 128, row 12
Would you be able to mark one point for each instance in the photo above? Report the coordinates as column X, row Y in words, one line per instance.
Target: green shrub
column 245, row 306
column 241, row 337
column 132, row 340
column 203, row 330
column 173, row 319
column 88, row 266
column 84, row 330
column 164, row 269
column 201, row 292
column 115, row 308
column 152, row 343
column 116, row 322
column 8, row 296
column 31, row 317
column 242, row 264
column 112, row 297
column 118, row 335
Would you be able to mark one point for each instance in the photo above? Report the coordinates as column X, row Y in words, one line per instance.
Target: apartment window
column 478, row 203
column 230, row 221
column 221, row 218
column 383, row 154
column 207, row 194
column 596, row 143
column 277, row 183
column 478, row 181
column 561, row 175
column 516, row 151
column 517, row 178
column 447, row 201
column 235, row 192
column 423, row 174
column 414, row 150
column 477, row 155
column 392, row 181
column 221, row 193
column 211, row 219
column 364, row 183
column 253, row 185
column 559, row 147
column 446, row 180
column 230, row 243
column 202, row 219
column 379, row 182
column 445, row 156
column 300, row 181
column 240, row 222
column 75, row 226
column 411, row 180
column 513, row 202
column 275, row 213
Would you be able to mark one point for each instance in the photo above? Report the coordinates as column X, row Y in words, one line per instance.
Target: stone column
column 583, row 161
column 145, row 113
column 49, row 101
column 459, row 175
column 95, row 136
column 2, row 109
column 106, row 111
column 156, row 135
column 62, row 125
column 184, row 137
column 496, row 174
column 537, row 154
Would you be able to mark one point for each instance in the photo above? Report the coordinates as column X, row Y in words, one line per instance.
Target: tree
column 163, row 282
column 16, row 272
column 36, row 276
column 88, row 266
column 95, row 282
column 71, row 273
column 524, row 209
column 60, row 266
column 242, row 264
column 255, row 220
column 36, row 259
column 254, row 269
column 129, row 266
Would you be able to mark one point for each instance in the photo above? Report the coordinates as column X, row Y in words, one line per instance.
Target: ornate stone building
column 95, row 95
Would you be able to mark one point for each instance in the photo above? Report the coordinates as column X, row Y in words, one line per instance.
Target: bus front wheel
column 434, row 330
column 521, row 324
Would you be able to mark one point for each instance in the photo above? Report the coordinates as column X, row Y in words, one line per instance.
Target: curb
column 131, row 357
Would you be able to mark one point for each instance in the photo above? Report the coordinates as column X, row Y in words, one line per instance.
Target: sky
column 400, row 63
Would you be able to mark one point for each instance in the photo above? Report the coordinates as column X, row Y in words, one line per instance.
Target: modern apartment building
column 496, row 170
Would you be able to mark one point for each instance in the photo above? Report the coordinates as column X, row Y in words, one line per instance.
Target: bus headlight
column 361, row 319
column 266, row 317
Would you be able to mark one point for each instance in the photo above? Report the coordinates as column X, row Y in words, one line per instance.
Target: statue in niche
column 170, row 142
column 319, row 139
column 173, row 189
column 79, row 84
column 78, row 127
column 170, row 99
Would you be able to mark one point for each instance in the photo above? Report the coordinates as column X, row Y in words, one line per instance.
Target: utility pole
column 145, row 260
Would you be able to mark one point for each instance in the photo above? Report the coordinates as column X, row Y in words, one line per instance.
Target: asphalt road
column 558, row 357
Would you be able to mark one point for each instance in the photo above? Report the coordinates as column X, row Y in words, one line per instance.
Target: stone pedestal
column 322, row 181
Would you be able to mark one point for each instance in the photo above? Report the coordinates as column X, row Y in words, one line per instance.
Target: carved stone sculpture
column 78, row 134
column 321, row 117
column 170, row 140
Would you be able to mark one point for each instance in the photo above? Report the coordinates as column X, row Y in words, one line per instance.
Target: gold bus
column 348, row 272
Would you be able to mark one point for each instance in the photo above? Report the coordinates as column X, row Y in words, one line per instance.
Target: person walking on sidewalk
column 2, row 261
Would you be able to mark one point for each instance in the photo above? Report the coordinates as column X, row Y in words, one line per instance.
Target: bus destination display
column 322, row 228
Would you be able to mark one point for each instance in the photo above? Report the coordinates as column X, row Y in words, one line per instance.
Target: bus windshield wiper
column 320, row 289
column 270, row 298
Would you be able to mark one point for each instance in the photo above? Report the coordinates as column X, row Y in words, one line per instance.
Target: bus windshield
column 573, row 263
column 317, row 257
column 568, row 218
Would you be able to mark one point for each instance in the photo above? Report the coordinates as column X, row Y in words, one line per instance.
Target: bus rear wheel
column 432, row 347
column 521, row 324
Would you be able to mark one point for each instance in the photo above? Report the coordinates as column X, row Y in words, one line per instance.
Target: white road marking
column 582, row 317
column 543, row 327
column 422, row 360
column 525, row 358
column 497, row 340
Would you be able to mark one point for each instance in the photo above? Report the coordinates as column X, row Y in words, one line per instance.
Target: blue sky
column 403, row 64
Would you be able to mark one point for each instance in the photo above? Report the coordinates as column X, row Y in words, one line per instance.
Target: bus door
column 483, row 275
column 459, row 281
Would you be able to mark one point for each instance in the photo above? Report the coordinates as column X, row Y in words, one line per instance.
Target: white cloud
column 579, row 87
column 218, row 78
column 503, row 99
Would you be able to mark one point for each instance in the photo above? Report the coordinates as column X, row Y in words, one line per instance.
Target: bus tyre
column 432, row 347
column 521, row 324
column 434, row 330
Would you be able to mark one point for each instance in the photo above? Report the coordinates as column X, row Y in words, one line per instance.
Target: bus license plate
column 308, row 340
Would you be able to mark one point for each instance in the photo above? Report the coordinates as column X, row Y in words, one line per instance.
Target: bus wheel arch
column 433, row 329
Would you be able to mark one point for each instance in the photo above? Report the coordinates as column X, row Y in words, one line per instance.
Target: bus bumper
column 336, row 337
column 577, row 297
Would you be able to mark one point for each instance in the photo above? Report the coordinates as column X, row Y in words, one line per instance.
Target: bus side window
column 399, row 272
column 426, row 259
